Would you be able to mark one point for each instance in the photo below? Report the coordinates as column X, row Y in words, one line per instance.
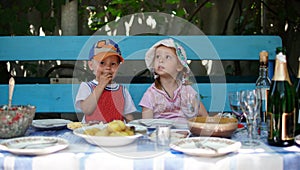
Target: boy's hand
column 104, row 79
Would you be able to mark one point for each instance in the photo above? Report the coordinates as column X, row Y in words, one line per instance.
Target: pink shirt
column 164, row 107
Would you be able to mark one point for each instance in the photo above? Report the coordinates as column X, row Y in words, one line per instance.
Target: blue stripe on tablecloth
column 23, row 162
column 174, row 163
column 291, row 161
column 233, row 162
column 82, row 162
column 144, row 144
column 2, row 162
column 144, row 164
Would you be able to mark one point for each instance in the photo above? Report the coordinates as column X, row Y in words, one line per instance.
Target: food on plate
column 74, row 125
column 114, row 128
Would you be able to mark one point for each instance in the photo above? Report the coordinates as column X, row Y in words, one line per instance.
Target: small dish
column 206, row 146
column 47, row 124
column 36, row 145
column 176, row 134
column 105, row 141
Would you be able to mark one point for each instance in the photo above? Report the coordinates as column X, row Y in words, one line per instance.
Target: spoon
column 11, row 91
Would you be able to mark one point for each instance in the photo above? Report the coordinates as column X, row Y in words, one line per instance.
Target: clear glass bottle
column 263, row 83
column 281, row 106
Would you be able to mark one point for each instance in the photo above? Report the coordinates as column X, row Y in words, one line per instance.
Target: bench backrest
column 60, row 97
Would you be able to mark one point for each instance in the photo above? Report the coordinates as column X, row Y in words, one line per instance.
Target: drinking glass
column 235, row 105
column 249, row 100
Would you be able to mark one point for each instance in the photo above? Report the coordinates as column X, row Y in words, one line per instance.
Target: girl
column 171, row 96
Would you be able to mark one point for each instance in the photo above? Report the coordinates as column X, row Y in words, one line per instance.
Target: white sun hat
column 180, row 52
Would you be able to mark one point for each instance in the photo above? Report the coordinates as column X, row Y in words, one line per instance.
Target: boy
column 102, row 99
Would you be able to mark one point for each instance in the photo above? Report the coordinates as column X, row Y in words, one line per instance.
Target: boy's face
column 108, row 66
column 166, row 62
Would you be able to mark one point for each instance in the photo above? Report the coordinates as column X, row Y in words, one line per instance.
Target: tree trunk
column 69, row 18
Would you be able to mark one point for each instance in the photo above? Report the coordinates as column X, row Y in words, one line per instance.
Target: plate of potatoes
column 115, row 133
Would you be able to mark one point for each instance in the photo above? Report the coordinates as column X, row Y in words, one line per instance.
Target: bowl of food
column 115, row 133
column 15, row 120
column 212, row 126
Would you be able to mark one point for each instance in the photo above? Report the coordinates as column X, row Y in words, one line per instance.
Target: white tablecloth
column 143, row 154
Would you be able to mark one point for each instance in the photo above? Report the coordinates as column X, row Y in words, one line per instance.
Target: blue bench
column 59, row 98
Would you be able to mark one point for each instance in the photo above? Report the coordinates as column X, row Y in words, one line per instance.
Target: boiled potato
column 115, row 134
column 114, row 128
column 74, row 125
column 121, row 124
column 103, row 132
column 91, row 131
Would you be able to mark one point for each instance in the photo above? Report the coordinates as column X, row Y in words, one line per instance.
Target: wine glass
column 235, row 105
column 249, row 100
column 192, row 105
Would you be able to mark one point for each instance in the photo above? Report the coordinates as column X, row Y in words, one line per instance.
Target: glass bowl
column 15, row 121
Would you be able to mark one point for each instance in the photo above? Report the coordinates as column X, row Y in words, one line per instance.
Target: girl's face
column 166, row 62
column 110, row 65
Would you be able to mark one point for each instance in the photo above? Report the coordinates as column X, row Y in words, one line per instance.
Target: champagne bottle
column 297, row 86
column 281, row 107
column 263, row 84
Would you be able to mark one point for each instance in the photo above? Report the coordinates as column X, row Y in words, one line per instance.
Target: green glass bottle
column 281, row 106
column 297, row 86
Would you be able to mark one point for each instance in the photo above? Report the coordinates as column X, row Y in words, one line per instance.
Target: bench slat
column 134, row 47
column 60, row 97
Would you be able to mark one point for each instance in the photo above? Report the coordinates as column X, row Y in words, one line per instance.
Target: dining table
column 145, row 154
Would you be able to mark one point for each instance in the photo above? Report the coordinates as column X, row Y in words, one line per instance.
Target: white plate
column 297, row 140
column 139, row 128
column 36, row 145
column 176, row 134
column 212, row 146
column 152, row 123
column 50, row 123
column 105, row 140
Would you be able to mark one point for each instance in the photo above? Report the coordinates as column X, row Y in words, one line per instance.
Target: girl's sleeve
column 146, row 100
column 191, row 90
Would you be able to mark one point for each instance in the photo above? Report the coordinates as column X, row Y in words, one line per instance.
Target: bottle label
column 263, row 109
column 288, row 126
column 269, row 125
column 264, row 93
column 286, row 131
column 298, row 121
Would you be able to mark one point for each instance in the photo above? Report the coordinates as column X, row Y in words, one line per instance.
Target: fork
column 200, row 145
column 36, row 145
column 53, row 124
column 147, row 123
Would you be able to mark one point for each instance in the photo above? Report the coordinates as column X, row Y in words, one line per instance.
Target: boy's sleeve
column 83, row 92
column 129, row 104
